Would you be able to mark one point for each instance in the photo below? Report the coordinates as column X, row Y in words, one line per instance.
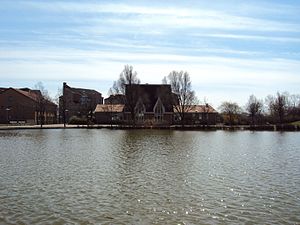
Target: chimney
column 64, row 88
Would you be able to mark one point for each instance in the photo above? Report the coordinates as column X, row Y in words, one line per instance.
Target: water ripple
column 149, row 177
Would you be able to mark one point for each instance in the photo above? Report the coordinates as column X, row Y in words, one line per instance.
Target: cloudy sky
column 230, row 48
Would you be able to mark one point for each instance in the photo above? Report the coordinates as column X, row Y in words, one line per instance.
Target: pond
column 87, row 176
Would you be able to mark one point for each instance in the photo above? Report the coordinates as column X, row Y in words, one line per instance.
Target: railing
column 17, row 122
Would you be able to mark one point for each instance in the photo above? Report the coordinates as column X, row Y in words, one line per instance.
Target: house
column 151, row 105
column 148, row 104
column 77, row 102
column 109, row 114
column 198, row 115
column 26, row 106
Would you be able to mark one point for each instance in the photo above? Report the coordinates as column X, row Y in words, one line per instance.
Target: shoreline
column 172, row 127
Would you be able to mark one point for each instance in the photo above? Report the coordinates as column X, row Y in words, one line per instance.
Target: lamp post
column 7, row 114
column 65, row 113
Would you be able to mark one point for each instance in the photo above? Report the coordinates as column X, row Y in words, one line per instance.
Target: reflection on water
column 149, row 177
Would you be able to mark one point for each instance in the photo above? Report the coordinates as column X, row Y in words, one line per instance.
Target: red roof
column 109, row 108
column 32, row 94
column 29, row 94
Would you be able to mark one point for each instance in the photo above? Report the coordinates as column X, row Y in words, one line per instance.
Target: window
column 177, row 117
column 159, row 110
column 140, row 110
column 9, row 99
column 200, row 116
column 84, row 99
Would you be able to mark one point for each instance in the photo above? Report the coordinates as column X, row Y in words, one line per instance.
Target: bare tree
column 278, row 105
column 116, row 88
column 59, row 93
column 164, row 80
column 42, row 98
column 294, row 107
column 127, row 77
column 230, row 109
column 184, row 99
column 126, row 85
column 294, row 100
column 254, row 108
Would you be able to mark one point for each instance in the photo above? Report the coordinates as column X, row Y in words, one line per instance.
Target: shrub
column 77, row 120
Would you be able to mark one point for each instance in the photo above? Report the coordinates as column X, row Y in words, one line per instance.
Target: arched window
column 139, row 110
column 159, row 110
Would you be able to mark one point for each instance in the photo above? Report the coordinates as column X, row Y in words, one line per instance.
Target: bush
column 77, row 120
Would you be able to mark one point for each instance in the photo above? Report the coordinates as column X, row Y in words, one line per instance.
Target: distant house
column 26, row 106
column 115, row 99
column 109, row 114
column 77, row 102
column 198, row 115
column 148, row 104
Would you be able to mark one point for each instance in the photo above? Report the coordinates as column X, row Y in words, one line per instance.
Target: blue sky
column 231, row 49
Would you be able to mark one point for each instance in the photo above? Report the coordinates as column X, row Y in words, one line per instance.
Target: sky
column 230, row 48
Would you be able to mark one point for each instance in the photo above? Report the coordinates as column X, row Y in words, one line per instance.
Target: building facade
column 198, row 115
column 109, row 114
column 148, row 104
column 77, row 102
column 26, row 106
column 151, row 105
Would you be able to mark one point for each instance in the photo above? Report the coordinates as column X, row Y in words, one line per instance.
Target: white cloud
column 99, row 39
column 221, row 74
column 171, row 17
column 251, row 37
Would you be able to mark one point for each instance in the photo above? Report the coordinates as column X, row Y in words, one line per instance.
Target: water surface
column 149, row 177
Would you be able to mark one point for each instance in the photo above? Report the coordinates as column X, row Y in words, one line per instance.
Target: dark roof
column 115, row 99
column 2, row 89
column 24, row 89
column 83, row 91
column 149, row 94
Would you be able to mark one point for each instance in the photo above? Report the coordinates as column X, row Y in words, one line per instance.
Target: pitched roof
column 83, row 91
column 109, row 108
column 2, row 89
column 31, row 94
column 200, row 109
column 115, row 99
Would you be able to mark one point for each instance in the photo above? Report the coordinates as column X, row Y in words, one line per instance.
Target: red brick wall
column 73, row 103
column 22, row 108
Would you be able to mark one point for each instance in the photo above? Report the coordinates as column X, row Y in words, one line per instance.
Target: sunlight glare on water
column 149, row 177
